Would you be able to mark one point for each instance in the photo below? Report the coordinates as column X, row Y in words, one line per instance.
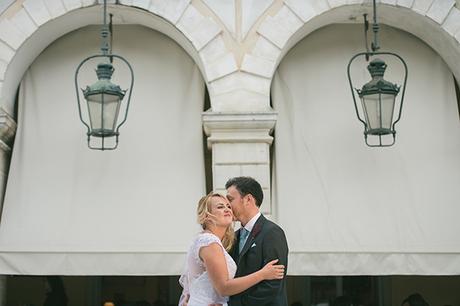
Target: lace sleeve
column 204, row 240
column 194, row 268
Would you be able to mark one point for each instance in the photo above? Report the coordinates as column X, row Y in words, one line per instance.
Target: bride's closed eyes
column 220, row 206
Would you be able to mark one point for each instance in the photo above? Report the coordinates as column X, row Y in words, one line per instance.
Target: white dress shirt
column 251, row 222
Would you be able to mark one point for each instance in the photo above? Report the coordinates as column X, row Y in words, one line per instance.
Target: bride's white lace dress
column 195, row 279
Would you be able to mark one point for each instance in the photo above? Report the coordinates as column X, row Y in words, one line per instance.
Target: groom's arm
column 274, row 247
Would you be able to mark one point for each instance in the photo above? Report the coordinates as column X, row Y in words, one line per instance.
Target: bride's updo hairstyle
column 204, row 212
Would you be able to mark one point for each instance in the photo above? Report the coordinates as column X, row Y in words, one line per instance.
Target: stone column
column 240, row 144
column 7, row 133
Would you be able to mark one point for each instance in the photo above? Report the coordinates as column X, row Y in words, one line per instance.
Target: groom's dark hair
column 247, row 185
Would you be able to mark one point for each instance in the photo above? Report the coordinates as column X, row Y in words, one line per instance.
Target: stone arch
column 29, row 26
column 436, row 22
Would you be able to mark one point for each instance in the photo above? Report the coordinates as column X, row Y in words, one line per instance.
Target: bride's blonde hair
column 204, row 211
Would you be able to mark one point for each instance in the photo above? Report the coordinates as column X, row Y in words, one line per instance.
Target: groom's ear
column 250, row 198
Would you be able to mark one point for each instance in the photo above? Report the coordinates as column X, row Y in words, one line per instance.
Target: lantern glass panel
column 378, row 111
column 103, row 113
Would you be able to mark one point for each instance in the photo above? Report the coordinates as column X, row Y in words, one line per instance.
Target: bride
column 209, row 271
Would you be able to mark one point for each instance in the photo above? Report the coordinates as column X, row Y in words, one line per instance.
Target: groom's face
column 236, row 201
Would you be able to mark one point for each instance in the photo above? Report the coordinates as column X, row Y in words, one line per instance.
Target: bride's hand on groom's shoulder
column 272, row 271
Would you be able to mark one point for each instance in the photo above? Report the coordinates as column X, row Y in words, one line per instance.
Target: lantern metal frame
column 106, row 53
column 368, row 54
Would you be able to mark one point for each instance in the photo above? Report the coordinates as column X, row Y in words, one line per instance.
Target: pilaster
column 240, row 144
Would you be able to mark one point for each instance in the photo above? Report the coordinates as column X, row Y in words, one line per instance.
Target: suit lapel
column 252, row 236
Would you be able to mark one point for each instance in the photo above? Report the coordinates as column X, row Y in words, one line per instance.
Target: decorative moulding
column 239, row 127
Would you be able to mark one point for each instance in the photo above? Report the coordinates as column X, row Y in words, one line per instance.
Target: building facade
column 227, row 88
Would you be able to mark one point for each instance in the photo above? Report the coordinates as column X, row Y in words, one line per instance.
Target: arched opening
column 110, row 206
column 45, row 34
column 436, row 25
column 349, row 209
column 165, row 132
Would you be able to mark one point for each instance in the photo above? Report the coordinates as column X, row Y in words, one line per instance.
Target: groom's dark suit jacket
column 265, row 243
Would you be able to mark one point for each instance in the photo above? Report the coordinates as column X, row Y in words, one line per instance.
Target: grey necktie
column 244, row 233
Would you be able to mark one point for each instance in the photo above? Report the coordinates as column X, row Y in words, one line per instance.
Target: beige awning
column 74, row 211
column 350, row 209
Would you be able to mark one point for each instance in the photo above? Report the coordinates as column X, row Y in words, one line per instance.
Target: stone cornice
column 239, row 127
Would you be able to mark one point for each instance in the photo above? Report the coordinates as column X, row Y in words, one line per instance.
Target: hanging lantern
column 378, row 96
column 104, row 99
column 378, row 100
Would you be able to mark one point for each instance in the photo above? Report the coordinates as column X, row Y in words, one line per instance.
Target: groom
column 258, row 241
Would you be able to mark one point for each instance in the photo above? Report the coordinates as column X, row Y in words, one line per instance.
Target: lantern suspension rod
column 366, row 28
column 375, row 28
column 111, row 38
column 105, row 33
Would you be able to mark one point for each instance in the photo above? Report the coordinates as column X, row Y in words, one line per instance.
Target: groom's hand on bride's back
column 215, row 304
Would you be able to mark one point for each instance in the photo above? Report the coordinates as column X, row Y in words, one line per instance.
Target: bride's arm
column 214, row 260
